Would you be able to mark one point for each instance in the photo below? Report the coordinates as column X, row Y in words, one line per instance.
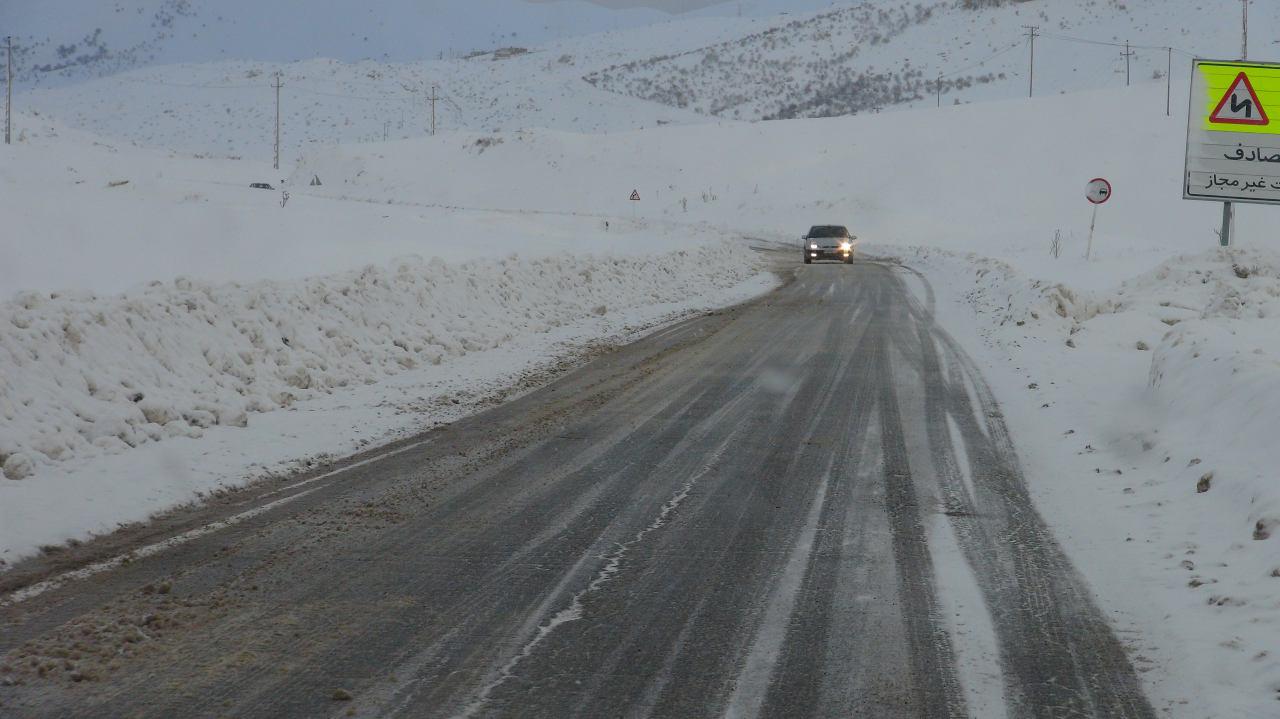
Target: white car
column 829, row 242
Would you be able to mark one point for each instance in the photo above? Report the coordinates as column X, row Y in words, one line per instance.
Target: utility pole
column 1126, row 55
column 1228, row 209
column 1168, row 90
column 435, row 97
column 1244, row 45
column 8, row 93
column 939, row 88
column 278, row 84
column 1033, row 31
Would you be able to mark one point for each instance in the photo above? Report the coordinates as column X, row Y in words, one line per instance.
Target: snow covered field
column 183, row 332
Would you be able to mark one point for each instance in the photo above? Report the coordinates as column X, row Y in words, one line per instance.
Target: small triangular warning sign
column 315, row 181
column 635, row 195
column 1240, row 106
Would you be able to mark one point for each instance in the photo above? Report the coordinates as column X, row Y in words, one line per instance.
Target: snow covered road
column 808, row 505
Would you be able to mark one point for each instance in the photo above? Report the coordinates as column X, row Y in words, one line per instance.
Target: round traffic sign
column 1098, row 191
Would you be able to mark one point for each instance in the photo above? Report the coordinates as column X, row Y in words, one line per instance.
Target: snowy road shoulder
column 1140, row 415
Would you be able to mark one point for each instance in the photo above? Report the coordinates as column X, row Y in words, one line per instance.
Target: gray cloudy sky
column 668, row 5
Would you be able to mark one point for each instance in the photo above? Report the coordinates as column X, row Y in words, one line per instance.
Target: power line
column 196, row 86
column 982, row 62
column 1088, row 41
column 388, row 98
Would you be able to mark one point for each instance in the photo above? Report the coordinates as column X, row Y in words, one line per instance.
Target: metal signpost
column 635, row 197
column 1233, row 136
column 1098, row 191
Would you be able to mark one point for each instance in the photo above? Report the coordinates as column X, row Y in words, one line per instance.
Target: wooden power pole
column 8, row 93
column 1033, row 31
column 1244, row 44
column 278, row 84
column 435, row 97
column 1126, row 55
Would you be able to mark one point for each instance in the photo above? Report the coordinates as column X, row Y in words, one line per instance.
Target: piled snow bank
column 82, row 375
column 1216, row 375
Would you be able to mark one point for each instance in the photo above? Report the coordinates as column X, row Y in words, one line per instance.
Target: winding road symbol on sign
column 1240, row 106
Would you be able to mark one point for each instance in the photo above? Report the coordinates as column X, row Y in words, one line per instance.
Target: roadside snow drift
column 81, row 375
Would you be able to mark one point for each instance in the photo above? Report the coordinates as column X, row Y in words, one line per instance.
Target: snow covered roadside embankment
column 1146, row 419
column 105, row 401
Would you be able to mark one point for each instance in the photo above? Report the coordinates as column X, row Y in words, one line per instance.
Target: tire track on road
column 1059, row 654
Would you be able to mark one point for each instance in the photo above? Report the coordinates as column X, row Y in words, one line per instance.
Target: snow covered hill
column 812, row 67
column 227, row 109
column 700, row 67
column 77, row 39
column 879, row 55
column 71, row 40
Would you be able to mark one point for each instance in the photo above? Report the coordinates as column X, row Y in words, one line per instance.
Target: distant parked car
column 261, row 186
column 829, row 242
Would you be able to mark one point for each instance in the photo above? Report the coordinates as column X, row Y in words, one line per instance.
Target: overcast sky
column 668, row 5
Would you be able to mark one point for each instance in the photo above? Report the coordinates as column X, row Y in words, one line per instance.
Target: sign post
column 1233, row 136
column 635, row 197
column 1098, row 191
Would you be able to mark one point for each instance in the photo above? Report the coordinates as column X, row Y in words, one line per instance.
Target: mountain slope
column 876, row 55
column 71, row 40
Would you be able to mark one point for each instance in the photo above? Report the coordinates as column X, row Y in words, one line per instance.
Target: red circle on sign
column 1098, row 191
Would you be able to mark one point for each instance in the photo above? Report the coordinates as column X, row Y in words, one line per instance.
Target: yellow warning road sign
column 1240, row 105
column 1233, row 132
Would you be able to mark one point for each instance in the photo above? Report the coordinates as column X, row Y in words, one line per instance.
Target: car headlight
column 846, row 245
column 813, row 245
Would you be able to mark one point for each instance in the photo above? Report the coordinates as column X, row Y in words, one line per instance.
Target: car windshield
column 828, row 231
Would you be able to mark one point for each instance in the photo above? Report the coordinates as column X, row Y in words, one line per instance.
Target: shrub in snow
column 18, row 466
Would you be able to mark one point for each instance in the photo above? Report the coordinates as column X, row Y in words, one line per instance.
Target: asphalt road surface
column 807, row 506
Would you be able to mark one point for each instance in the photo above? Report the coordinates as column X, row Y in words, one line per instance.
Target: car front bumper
column 829, row 253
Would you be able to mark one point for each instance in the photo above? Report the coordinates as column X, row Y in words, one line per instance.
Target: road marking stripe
column 48, row 585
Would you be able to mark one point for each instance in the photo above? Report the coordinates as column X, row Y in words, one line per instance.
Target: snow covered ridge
column 774, row 74
column 83, row 376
